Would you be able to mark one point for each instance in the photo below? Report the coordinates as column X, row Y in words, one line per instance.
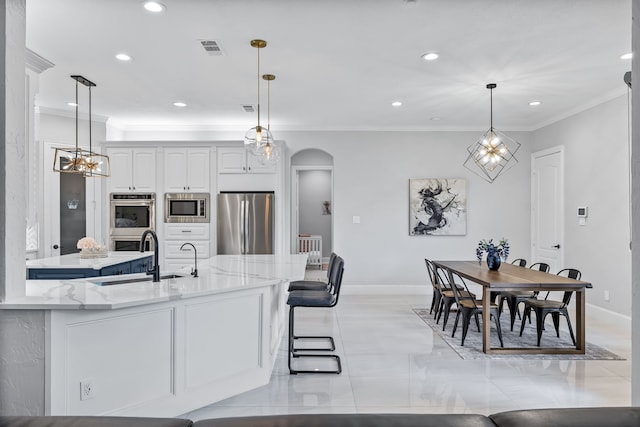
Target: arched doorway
column 312, row 199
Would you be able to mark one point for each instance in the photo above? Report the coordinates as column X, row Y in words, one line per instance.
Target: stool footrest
column 331, row 343
column 315, row 371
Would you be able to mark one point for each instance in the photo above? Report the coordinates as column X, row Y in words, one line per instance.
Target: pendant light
column 494, row 153
column 78, row 160
column 269, row 149
column 257, row 136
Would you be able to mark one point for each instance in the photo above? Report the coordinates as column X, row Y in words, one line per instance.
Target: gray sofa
column 569, row 417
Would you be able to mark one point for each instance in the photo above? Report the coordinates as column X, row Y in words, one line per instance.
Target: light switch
column 582, row 221
column 356, row 219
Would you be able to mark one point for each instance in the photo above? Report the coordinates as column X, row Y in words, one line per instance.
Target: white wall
column 597, row 175
column 371, row 180
column 62, row 130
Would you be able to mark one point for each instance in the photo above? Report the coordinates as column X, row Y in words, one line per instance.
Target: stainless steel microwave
column 186, row 207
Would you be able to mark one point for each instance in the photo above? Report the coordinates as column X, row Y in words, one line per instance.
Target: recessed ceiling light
column 626, row 56
column 123, row 57
column 154, row 6
column 396, row 103
column 179, row 104
column 72, row 104
column 430, row 56
column 535, row 103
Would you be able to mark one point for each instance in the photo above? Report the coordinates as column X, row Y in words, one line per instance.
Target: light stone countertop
column 219, row 274
column 74, row 260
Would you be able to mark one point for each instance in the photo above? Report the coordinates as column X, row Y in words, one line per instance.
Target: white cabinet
column 132, row 170
column 186, row 170
column 178, row 234
column 240, row 160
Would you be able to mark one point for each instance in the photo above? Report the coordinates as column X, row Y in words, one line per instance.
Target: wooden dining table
column 513, row 278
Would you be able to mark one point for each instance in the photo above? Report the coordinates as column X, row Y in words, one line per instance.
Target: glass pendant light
column 494, row 153
column 269, row 149
column 78, row 160
column 257, row 136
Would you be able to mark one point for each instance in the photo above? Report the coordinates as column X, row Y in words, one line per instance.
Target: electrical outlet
column 87, row 390
column 606, row 295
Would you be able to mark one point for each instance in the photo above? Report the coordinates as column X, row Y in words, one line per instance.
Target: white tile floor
column 393, row 362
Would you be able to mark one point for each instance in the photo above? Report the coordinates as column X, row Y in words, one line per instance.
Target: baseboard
column 351, row 289
column 606, row 314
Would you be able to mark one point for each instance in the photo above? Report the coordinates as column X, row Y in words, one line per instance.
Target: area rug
column 473, row 343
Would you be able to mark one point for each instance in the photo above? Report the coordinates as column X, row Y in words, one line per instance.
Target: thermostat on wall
column 583, row 211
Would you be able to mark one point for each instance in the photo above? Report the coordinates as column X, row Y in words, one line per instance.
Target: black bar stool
column 315, row 298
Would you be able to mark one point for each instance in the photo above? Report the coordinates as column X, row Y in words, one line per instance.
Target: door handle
column 556, row 246
column 55, row 246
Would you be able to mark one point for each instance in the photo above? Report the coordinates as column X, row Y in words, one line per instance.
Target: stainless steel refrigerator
column 245, row 223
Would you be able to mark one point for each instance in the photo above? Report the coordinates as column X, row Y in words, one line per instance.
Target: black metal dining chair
column 448, row 298
column 514, row 298
column 469, row 306
column 544, row 307
column 520, row 262
column 437, row 295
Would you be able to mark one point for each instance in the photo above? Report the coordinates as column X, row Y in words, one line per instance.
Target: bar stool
column 314, row 285
column 322, row 299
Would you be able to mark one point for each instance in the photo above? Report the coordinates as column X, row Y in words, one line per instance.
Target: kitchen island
column 72, row 266
column 149, row 349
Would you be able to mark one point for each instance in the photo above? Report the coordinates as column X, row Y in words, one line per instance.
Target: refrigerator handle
column 243, row 230
column 247, row 231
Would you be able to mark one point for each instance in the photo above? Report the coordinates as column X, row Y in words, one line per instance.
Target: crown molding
column 36, row 63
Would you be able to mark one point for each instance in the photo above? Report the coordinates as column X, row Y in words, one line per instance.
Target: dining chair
column 448, row 298
column 514, row 298
column 520, row 262
column 437, row 295
column 543, row 307
column 469, row 306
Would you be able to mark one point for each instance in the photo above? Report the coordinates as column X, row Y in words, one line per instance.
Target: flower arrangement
column 501, row 249
column 87, row 243
column 89, row 248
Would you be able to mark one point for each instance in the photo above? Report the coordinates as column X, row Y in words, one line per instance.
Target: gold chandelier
column 492, row 154
column 79, row 160
column 258, row 136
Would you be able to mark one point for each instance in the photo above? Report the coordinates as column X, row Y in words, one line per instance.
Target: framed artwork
column 438, row 207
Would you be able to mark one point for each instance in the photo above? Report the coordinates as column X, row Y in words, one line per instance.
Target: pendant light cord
column 491, row 108
column 76, row 154
column 258, row 87
column 90, row 149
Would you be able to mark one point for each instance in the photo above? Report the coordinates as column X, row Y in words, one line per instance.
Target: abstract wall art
column 438, row 206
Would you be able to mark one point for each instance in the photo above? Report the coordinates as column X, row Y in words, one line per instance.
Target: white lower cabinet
column 177, row 235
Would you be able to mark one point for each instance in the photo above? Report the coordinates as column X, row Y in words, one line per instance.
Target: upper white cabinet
column 240, row 160
column 186, row 170
column 132, row 170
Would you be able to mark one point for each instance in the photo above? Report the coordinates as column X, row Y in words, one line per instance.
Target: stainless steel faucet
column 155, row 270
column 194, row 271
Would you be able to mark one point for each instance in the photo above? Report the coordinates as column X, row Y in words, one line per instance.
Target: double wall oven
column 130, row 215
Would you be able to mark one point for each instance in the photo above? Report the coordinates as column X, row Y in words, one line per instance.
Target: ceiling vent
column 211, row 47
column 248, row 109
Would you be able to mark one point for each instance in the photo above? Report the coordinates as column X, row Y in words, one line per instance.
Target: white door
column 547, row 208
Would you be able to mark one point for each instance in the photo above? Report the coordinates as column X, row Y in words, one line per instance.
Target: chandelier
column 79, row 160
column 494, row 153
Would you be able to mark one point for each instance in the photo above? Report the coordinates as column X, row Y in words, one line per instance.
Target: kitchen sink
column 110, row 282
